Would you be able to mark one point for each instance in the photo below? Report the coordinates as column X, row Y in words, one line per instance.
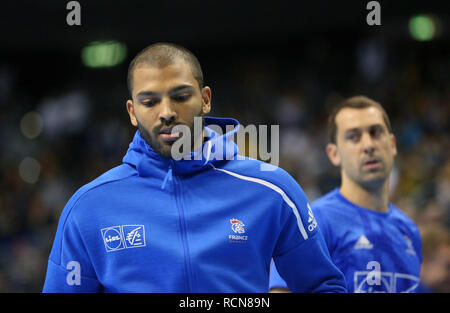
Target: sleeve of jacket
column 69, row 267
column 417, row 242
column 301, row 255
column 275, row 280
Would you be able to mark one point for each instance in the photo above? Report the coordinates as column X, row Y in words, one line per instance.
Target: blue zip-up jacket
column 209, row 224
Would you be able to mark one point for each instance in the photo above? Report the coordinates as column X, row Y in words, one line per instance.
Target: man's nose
column 367, row 143
column 167, row 114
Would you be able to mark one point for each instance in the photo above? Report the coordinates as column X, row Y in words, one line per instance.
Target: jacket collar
column 217, row 147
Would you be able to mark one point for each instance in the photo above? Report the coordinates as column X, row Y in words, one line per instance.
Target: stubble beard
column 165, row 150
column 374, row 180
column 153, row 143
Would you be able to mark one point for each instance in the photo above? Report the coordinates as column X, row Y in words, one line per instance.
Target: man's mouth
column 167, row 136
column 371, row 164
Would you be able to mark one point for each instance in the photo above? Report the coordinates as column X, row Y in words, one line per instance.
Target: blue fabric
column 356, row 236
column 206, row 225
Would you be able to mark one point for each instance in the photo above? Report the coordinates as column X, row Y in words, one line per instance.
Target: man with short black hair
column 375, row 245
column 207, row 222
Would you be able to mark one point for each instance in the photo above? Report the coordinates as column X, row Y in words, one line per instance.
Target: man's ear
column 130, row 109
column 394, row 144
column 333, row 154
column 206, row 96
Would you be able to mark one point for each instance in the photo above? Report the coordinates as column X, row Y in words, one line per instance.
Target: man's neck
column 376, row 199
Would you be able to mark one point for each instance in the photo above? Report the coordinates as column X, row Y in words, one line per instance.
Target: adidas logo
column 363, row 243
column 311, row 219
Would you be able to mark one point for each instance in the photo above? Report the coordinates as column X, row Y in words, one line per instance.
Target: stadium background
column 63, row 123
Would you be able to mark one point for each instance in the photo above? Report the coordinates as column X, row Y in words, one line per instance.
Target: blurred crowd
column 59, row 133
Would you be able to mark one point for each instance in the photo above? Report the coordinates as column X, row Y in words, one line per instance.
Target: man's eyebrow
column 147, row 94
column 377, row 125
column 361, row 128
column 180, row 89
column 170, row 92
column 352, row 130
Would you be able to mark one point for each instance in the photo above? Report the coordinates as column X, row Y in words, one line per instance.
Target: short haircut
column 162, row 54
column 355, row 102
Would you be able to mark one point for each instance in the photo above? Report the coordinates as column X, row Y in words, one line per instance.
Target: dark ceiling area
column 40, row 26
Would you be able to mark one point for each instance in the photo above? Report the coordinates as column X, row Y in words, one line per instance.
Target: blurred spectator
column 436, row 257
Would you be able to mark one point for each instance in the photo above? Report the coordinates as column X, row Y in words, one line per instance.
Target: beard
column 162, row 148
column 371, row 180
column 153, row 143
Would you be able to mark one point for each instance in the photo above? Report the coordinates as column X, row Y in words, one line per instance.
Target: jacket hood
column 217, row 147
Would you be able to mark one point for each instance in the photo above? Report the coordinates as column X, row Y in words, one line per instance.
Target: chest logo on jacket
column 237, row 227
column 123, row 237
column 409, row 243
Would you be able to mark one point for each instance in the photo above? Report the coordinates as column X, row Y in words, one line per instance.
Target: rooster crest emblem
column 237, row 226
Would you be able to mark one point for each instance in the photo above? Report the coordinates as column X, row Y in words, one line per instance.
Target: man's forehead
column 350, row 118
column 148, row 69
column 147, row 76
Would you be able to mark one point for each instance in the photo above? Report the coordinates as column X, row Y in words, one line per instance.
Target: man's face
column 165, row 97
column 364, row 147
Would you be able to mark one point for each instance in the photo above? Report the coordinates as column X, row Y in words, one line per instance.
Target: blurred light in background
column 66, row 113
column 422, row 27
column 103, row 54
column 31, row 125
column 29, row 170
column 371, row 57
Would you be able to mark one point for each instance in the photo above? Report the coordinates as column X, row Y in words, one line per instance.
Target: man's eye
column 182, row 98
column 148, row 103
column 376, row 132
column 353, row 137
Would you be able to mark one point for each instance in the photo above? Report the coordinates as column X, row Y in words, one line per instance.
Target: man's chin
column 168, row 151
column 160, row 147
column 373, row 180
column 165, row 150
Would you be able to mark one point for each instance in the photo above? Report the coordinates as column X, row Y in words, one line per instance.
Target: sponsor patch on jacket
column 123, row 237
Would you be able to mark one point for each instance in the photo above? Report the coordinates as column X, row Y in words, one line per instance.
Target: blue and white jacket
column 209, row 224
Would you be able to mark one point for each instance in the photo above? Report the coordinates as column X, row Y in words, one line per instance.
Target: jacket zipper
column 182, row 219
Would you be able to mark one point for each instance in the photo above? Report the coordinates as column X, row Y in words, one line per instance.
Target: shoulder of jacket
column 118, row 173
column 402, row 216
column 326, row 205
column 263, row 173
